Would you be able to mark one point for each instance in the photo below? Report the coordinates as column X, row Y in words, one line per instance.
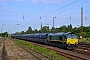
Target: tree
column 76, row 30
column 29, row 31
column 5, row 34
column 69, row 28
column 57, row 30
column 22, row 32
column 63, row 28
column 86, row 29
column 35, row 31
column 17, row 33
column 45, row 29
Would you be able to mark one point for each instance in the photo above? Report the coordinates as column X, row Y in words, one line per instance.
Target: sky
column 18, row 15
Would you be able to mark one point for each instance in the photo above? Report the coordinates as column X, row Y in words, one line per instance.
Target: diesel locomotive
column 67, row 40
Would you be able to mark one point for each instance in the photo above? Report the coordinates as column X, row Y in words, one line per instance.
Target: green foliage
column 69, row 28
column 86, row 40
column 87, row 34
column 53, row 54
column 22, row 32
column 45, row 29
column 17, row 33
column 86, row 29
column 5, row 34
column 29, row 31
column 35, row 31
column 64, row 28
column 76, row 30
column 1, row 39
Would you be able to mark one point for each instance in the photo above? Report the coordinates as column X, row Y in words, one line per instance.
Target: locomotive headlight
column 75, row 42
column 68, row 42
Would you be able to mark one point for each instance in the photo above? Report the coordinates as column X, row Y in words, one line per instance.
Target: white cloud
column 2, row 8
column 52, row 1
column 20, row 0
column 47, row 1
column 38, row 1
column 3, row 1
column 34, row 1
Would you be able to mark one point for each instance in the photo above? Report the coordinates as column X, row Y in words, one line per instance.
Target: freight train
column 67, row 40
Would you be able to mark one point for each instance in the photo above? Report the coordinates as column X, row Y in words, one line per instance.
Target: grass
column 85, row 40
column 1, row 39
column 43, row 50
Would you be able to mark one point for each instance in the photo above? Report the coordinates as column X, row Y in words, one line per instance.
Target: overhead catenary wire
column 57, row 9
column 53, row 12
column 34, row 12
column 68, row 16
column 41, row 8
column 76, row 6
column 62, row 7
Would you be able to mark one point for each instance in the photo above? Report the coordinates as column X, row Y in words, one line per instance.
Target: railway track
column 14, row 52
column 83, row 48
column 67, row 53
column 37, row 55
column 81, row 51
column 1, row 43
column 40, row 55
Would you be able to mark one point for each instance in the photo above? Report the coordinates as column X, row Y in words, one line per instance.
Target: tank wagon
column 67, row 40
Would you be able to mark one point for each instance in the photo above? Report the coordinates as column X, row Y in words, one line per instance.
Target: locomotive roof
column 57, row 34
column 44, row 33
column 61, row 34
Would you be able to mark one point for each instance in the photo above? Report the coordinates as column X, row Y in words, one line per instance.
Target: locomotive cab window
column 72, row 36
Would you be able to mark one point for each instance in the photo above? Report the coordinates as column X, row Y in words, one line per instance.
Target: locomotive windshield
column 72, row 36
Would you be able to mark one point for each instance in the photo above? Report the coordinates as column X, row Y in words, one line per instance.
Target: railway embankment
column 19, row 49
